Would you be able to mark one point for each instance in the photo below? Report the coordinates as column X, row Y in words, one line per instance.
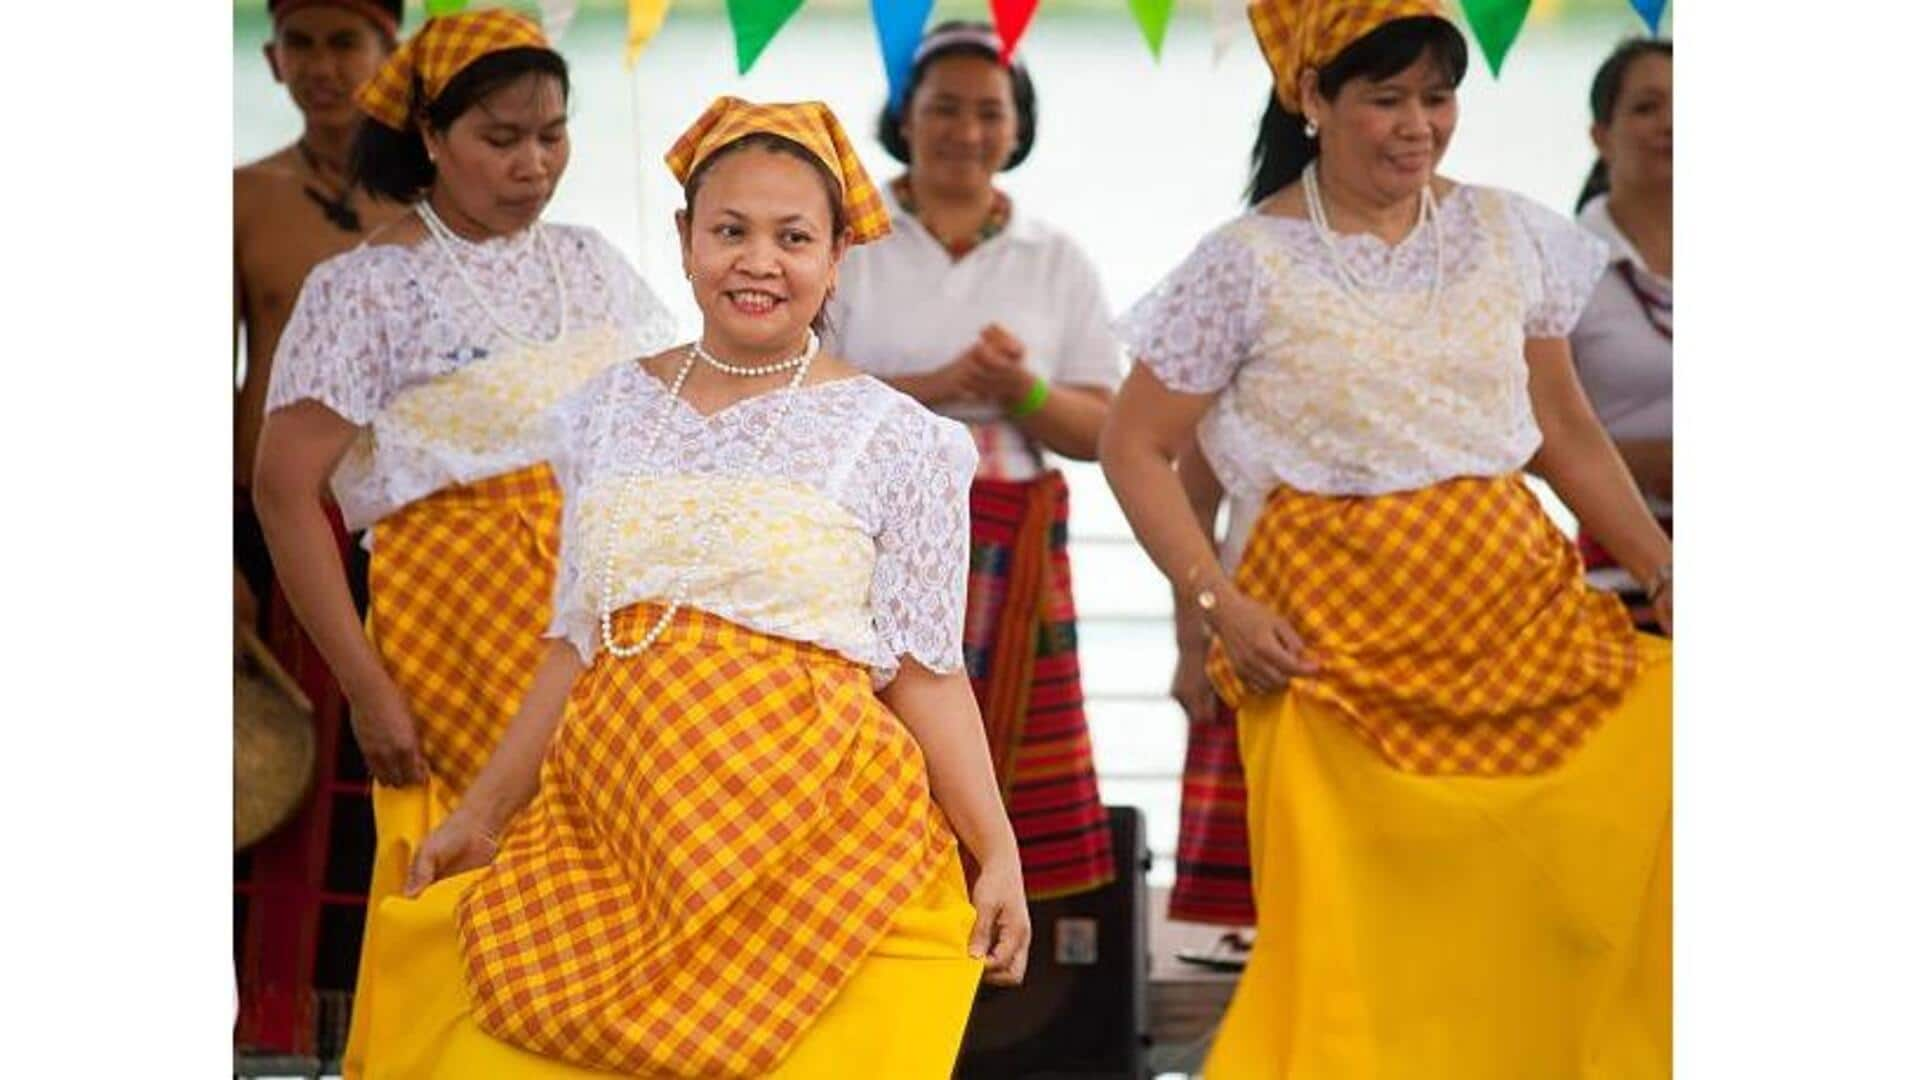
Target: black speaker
column 1082, row 1011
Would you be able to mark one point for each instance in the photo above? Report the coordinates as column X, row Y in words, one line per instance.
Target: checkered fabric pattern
column 727, row 824
column 1299, row 34
column 439, row 50
column 809, row 123
column 461, row 588
column 1453, row 625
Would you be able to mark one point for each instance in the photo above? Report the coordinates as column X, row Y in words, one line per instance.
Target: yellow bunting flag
column 643, row 21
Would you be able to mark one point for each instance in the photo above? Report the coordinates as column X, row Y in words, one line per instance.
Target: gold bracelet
column 1205, row 599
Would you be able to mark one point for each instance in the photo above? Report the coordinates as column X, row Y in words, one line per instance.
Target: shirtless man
column 294, row 208
column 291, row 210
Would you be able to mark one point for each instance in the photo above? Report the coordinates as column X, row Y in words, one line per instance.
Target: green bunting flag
column 1495, row 23
column 1152, row 15
column 755, row 22
column 445, row 7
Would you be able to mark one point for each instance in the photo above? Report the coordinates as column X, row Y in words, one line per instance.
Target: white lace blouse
column 392, row 338
column 1321, row 395
column 849, row 533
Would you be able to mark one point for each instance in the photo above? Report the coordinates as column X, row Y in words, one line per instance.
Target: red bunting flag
column 1010, row 19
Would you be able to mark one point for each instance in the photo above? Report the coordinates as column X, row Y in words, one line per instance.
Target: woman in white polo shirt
column 991, row 317
column 1623, row 344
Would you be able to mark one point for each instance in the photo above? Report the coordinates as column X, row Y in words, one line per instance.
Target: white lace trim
column 1317, row 394
column 899, row 474
column 378, row 322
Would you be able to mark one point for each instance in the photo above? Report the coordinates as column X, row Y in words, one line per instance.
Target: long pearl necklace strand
column 445, row 238
column 710, row 528
column 1361, row 291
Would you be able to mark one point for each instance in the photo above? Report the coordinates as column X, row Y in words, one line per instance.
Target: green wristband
column 1032, row 403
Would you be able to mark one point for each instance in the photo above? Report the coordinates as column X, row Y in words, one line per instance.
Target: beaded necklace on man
column 336, row 207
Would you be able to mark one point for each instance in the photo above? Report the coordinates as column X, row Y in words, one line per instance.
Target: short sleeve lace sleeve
column 1196, row 327
column 633, row 306
column 919, row 589
column 1566, row 263
column 334, row 349
column 574, row 427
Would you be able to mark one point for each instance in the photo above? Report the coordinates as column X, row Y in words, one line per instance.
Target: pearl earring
column 1313, row 129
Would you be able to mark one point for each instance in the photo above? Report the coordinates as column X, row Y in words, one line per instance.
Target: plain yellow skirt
column 402, row 818
column 900, row 1015
column 1445, row 927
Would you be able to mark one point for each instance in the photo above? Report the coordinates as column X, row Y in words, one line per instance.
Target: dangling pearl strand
column 445, row 238
column 1361, row 291
column 709, row 532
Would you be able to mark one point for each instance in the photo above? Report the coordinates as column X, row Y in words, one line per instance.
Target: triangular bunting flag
column 1229, row 21
column 644, row 18
column 1495, row 23
column 900, row 24
column 1650, row 13
column 755, row 22
column 1152, row 15
column 556, row 16
column 445, row 7
column 1010, row 19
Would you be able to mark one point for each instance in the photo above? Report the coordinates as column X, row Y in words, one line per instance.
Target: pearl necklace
column 709, row 531
column 1362, row 291
column 445, row 238
column 804, row 356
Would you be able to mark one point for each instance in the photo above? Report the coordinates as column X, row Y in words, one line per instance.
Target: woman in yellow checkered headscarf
column 1455, row 750
column 412, row 378
column 719, row 839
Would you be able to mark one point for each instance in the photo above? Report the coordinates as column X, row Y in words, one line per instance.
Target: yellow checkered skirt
column 1453, row 624
column 731, row 832
column 460, row 588
column 1461, row 831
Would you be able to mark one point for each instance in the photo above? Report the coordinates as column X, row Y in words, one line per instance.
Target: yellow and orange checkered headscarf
column 809, row 123
column 439, row 50
column 1299, row 34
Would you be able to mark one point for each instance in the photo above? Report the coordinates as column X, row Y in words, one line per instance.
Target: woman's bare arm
column 1579, row 461
column 299, row 447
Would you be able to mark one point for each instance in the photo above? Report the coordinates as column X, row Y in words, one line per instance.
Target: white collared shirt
column 1624, row 363
column 905, row 307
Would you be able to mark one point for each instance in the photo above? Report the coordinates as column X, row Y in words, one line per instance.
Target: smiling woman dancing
column 1456, row 751
column 716, row 837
